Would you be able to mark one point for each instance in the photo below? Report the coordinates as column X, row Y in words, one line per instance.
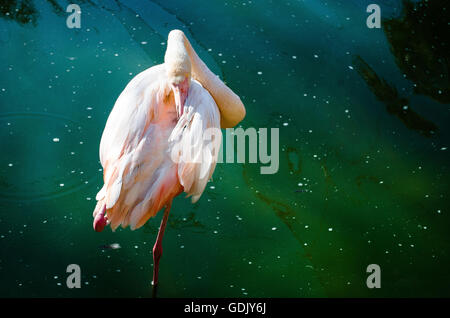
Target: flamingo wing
column 123, row 137
column 196, row 141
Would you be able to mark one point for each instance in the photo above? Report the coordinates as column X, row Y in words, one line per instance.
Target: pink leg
column 157, row 248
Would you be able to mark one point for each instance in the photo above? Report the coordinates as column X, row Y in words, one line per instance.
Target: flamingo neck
column 231, row 108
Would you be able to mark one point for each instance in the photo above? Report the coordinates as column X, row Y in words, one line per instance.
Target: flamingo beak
column 180, row 92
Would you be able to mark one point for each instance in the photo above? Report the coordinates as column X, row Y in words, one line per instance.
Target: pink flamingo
column 144, row 166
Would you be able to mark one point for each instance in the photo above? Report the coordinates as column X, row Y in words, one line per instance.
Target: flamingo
column 156, row 127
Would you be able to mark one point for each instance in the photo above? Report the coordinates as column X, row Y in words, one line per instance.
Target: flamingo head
column 178, row 69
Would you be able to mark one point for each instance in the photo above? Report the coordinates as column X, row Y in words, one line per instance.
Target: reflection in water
column 177, row 222
column 294, row 161
column 22, row 11
column 395, row 104
column 418, row 40
column 56, row 7
column 289, row 217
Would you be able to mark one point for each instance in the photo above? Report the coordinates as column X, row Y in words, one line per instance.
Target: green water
column 362, row 179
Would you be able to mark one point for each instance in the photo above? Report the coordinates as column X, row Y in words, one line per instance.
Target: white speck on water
column 212, row 187
column 259, row 73
column 144, row 42
column 285, row 124
column 55, row 139
column 350, row 67
column 439, row 211
column 316, row 56
column 405, row 107
column 215, row 232
column 182, row 246
column 306, row 226
column 444, row 148
column 330, row 229
column 61, row 184
column 199, row 277
column 294, row 57
column 300, row 184
column 274, row 229
column 10, row 165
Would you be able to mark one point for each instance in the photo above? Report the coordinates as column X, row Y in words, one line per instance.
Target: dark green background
column 374, row 173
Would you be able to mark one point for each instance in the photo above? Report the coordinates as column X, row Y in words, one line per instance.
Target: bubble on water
column 330, row 229
column 259, row 73
column 10, row 165
column 55, row 139
column 274, row 229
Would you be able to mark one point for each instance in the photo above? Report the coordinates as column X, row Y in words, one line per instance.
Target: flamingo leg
column 157, row 248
